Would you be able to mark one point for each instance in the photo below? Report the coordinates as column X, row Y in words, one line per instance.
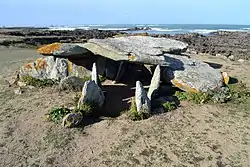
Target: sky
column 80, row 12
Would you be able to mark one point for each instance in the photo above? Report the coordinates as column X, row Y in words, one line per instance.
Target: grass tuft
column 134, row 114
column 37, row 82
column 57, row 114
column 169, row 106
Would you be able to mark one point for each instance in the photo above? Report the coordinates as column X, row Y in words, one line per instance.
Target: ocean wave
column 113, row 29
column 62, row 28
column 202, row 31
column 96, row 25
column 246, row 28
column 165, row 29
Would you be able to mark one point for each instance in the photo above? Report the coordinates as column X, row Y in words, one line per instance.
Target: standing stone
column 94, row 75
column 60, row 69
column 141, row 99
column 121, row 70
column 92, row 94
column 155, row 82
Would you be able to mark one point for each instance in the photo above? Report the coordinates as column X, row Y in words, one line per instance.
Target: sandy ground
column 192, row 135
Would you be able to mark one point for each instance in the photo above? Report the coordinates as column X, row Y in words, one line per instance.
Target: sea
column 204, row 29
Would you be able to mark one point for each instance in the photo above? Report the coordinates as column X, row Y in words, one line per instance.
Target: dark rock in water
column 138, row 29
column 221, row 42
column 38, row 37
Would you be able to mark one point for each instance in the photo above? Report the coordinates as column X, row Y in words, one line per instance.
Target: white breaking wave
column 246, row 28
column 62, row 28
column 165, row 29
column 113, row 29
column 202, row 31
column 96, row 25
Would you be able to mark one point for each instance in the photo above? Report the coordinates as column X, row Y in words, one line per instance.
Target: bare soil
column 192, row 135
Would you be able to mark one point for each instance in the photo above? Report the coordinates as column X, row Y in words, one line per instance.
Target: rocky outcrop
column 155, row 82
column 218, row 43
column 191, row 75
column 92, row 94
column 143, row 104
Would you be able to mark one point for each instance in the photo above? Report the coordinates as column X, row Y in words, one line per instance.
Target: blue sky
column 79, row 12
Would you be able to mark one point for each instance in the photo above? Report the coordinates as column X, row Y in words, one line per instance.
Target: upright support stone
column 60, row 69
column 95, row 76
column 155, row 82
column 141, row 99
column 121, row 70
column 92, row 94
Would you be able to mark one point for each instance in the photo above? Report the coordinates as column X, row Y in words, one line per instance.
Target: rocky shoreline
column 232, row 45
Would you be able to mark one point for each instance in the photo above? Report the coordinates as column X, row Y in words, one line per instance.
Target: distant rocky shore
column 233, row 45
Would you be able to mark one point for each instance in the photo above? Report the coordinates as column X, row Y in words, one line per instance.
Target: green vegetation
column 169, row 106
column 234, row 93
column 37, row 82
column 137, row 116
column 198, row 98
column 86, row 109
column 57, row 114
column 102, row 78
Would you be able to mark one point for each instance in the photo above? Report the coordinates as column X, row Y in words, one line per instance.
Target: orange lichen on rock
column 226, row 77
column 184, row 86
column 70, row 66
column 41, row 63
column 49, row 49
column 28, row 66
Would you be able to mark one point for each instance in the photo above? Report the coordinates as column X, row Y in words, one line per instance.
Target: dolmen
column 112, row 54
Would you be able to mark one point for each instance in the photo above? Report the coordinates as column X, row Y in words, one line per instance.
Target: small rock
column 92, row 94
column 142, row 101
column 31, row 87
column 232, row 58
column 72, row 120
column 18, row 91
column 21, row 84
column 71, row 83
column 241, row 60
column 155, row 82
